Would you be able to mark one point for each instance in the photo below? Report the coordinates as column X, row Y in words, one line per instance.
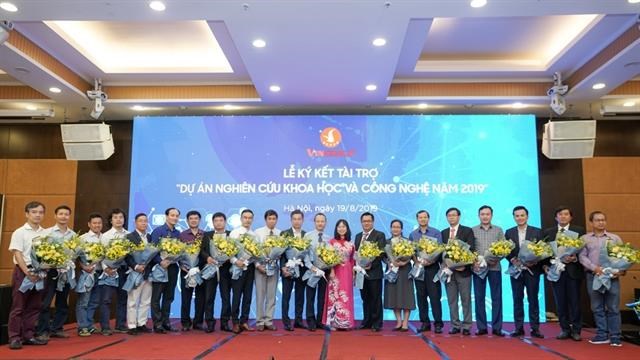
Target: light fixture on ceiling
column 259, row 43
column 55, row 90
column 379, row 42
column 274, row 88
column 634, row 1
column 157, row 5
column 31, row 107
column 478, row 3
column 371, row 87
column 423, row 106
column 629, row 103
column 598, row 86
column 7, row 6
column 138, row 108
column 229, row 107
column 518, row 105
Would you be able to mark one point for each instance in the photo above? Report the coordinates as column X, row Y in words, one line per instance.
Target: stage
column 303, row 344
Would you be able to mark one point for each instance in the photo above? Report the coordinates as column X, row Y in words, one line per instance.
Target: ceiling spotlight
column 55, row 90
column 630, row 103
column 423, row 106
column 157, row 5
column 598, row 86
column 259, row 43
column 7, row 6
column 274, row 88
column 478, row 3
column 31, row 108
column 379, row 42
column 371, row 87
column 634, row 1
column 138, row 108
column 229, row 107
column 518, row 105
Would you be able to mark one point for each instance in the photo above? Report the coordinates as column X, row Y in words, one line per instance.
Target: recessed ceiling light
column 371, row 87
column 274, row 88
column 157, row 5
column 634, row 1
column 478, row 3
column 259, row 43
column 229, row 107
column 598, row 86
column 423, row 106
column 31, row 108
column 379, row 42
column 138, row 108
column 630, row 103
column 518, row 105
column 55, row 90
column 7, row 6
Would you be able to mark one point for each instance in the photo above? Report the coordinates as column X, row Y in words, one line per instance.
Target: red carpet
column 303, row 344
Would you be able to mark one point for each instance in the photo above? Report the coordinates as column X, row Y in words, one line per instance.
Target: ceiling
column 198, row 57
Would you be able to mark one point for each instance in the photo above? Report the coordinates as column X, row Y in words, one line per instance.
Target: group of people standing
column 327, row 305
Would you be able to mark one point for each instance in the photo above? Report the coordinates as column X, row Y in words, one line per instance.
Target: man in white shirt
column 266, row 283
column 84, row 317
column 105, row 292
column 139, row 298
column 46, row 328
column 25, row 306
column 317, row 236
column 242, row 287
column 117, row 218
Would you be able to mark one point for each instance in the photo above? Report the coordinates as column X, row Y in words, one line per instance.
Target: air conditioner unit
column 87, row 141
column 85, row 132
column 569, row 139
column 10, row 114
column 615, row 110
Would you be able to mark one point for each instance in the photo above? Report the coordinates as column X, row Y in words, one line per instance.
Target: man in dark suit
column 371, row 292
column 428, row 291
column 566, row 291
column 460, row 283
column 139, row 299
column 222, row 278
column 528, row 279
column 288, row 281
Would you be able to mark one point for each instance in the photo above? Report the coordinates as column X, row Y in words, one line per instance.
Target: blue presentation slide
column 391, row 166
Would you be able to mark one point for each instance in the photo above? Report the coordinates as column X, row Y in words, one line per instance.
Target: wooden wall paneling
column 3, row 174
column 622, row 209
column 50, row 176
column 34, row 142
column 628, row 283
column 605, row 175
column 14, row 209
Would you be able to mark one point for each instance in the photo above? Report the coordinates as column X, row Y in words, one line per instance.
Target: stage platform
column 303, row 344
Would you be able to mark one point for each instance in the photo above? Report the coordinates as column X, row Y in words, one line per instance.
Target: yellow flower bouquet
column 249, row 251
column 49, row 254
column 295, row 253
column 567, row 246
column 457, row 254
column 274, row 246
column 367, row 253
column 73, row 245
column 428, row 250
column 402, row 249
column 115, row 252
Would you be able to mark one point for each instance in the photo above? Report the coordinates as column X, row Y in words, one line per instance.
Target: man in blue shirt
column 426, row 287
column 166, row 290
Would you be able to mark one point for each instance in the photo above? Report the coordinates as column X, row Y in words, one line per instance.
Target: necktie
column 562, row 229
column 452, row 233
column 365, row 237
column 319, row 237
column 270, row 232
